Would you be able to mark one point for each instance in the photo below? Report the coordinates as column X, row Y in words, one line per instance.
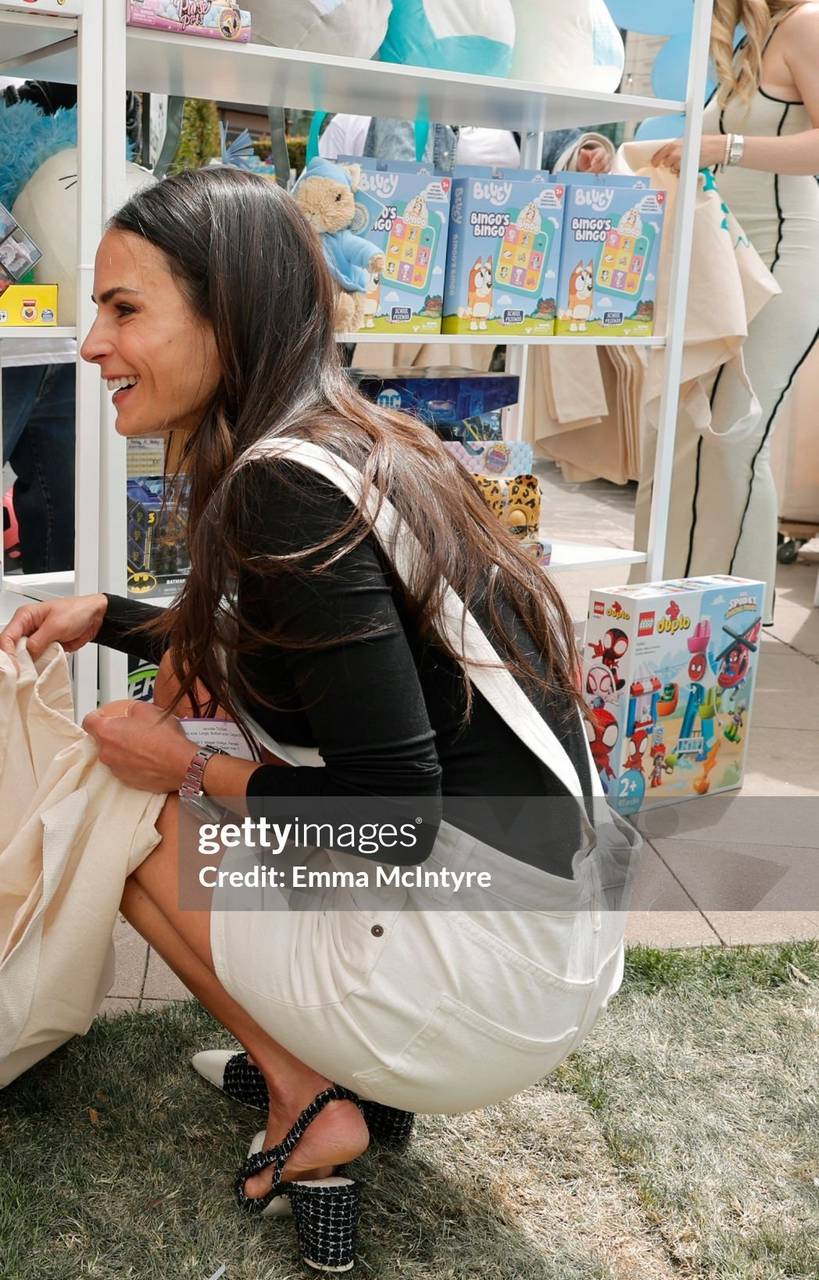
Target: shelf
column 43, row 333
column 495, row 340
column 584, row 555
column 38, row 586
column 29, row 35
column 258, row 75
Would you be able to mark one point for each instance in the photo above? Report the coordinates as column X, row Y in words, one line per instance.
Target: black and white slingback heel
column 244, row 1082
column 325, row 1210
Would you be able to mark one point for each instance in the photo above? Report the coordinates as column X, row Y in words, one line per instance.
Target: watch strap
column 192, row 787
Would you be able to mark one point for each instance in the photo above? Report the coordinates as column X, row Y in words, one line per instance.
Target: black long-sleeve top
column 387, row 712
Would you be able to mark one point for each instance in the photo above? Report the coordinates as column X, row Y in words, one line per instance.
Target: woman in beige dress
column 724, row 504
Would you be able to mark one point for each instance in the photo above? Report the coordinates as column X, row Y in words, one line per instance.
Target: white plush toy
column 568, row 43
column 350, row 28
column 47, row 208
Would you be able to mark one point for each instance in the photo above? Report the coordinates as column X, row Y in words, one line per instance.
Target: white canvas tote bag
column 70, row 834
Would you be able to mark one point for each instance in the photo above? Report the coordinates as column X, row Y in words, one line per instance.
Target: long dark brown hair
column 250, row 264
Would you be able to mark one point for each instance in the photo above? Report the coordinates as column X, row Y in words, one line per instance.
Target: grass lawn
column 682, row 1141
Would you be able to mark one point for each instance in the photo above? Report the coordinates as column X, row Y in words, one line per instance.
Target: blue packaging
column 504, row 252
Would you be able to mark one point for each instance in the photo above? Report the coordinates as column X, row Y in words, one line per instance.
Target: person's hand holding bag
column 71, row 622
column 141, row 745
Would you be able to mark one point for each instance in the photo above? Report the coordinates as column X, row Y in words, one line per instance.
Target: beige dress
column 729, row 490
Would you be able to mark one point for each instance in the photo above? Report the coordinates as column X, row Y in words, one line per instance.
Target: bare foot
column 338, row 1135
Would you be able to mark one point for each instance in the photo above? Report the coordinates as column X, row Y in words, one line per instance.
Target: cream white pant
column 414, row 1005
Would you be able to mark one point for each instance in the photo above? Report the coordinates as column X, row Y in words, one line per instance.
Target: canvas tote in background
column 70, row 834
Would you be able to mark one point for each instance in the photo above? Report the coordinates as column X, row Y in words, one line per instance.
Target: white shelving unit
column 51, row 40
column 29, row 32
column 494, row 340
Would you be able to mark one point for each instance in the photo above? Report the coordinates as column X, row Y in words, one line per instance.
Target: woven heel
column 388, row 1125
column 326, row 1220
column 244, row 1082
column 325, row 1209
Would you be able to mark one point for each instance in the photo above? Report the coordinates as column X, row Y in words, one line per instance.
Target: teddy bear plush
column 325, row 193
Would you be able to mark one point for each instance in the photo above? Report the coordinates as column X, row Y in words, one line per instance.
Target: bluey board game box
column 612, row 232
column 669, row 671
column 504, row 252
column 403, row 209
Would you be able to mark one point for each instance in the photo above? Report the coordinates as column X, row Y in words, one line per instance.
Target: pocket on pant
column 460, row 1060
column 359, row 941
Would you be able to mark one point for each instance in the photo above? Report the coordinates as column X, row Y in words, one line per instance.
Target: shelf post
column 113, row 454
column 90, row 79
column 517, row 357
column 678, row 290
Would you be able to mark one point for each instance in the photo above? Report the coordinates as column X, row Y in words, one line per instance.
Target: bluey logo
column 597, row 198
column 497, row 193
column 379, row 184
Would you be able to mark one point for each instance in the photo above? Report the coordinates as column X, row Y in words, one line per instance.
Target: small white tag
column 224, row 734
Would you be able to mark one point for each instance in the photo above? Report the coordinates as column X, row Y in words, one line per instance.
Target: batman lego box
column 669, row 671
column 157, row 548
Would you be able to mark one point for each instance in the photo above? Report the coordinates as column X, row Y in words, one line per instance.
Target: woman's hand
column 141, row 746
column 593, row 159
column 712, row 151
column 71, row 622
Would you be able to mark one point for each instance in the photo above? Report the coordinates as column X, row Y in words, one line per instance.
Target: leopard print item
column 515, row 500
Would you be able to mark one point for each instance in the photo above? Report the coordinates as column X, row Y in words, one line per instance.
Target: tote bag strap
column 403, row 550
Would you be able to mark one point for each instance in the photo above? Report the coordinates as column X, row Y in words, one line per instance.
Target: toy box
column 504, row 252
column 403, row 209
column 612, row 232
column 439, row 396
column 28, row 304
column 218, row 19
column 669, row 669
column 157, row 553
column 18, row 256
column 492, row 458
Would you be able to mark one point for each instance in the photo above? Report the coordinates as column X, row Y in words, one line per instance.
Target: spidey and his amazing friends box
column 669, row 670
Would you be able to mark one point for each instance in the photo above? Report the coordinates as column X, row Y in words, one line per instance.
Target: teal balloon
column 669, row 76
column 661, row 127
column 653, row 17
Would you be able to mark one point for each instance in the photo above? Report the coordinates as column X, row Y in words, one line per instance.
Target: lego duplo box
column 28, row 305
column 504, row 252
column 612, row 231
column 403, row 209
column 217, row 19
column 669, row 670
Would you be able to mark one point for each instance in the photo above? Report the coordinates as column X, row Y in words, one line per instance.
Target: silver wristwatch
column 736, row 149
column 192, row 788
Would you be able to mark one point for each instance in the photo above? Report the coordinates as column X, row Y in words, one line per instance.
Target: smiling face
column 158, row 356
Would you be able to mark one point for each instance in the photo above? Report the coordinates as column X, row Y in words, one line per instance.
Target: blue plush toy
column 473, row 36
column 325, row 195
